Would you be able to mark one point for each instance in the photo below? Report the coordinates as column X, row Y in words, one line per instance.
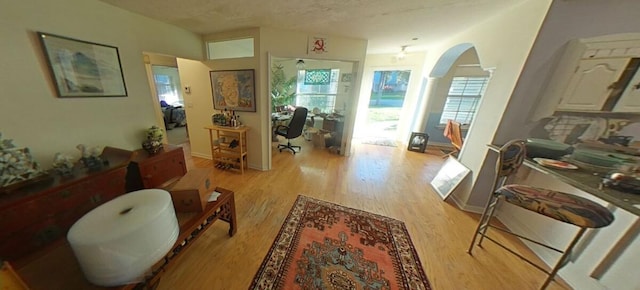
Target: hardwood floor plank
column 390, row 181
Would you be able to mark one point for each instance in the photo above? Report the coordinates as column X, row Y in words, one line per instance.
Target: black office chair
column 293, row 130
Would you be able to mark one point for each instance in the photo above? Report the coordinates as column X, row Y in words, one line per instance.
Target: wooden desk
column 57, row 267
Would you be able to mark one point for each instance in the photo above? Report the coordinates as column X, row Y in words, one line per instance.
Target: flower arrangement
column 153, row 144
column 63, row 164
column 91, row 157
column 155, row 133
column 16, row 164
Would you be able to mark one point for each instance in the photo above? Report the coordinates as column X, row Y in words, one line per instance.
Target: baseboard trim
column 440, row 145
column 463, row 206
column 200, row 155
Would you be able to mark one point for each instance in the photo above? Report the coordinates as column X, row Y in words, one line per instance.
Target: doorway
column 167, row 97
column 325, row 88
column 167, row 85
column 388, row 92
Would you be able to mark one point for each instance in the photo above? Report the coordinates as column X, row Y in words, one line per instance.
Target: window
column 230, row 48
column 317, row 88
column 463, row 98
column 167, row 82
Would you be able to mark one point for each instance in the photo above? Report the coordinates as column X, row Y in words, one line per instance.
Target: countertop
column 588, row 182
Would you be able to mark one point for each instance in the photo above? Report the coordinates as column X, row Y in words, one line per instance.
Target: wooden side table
column 229, row 146
column 156, row 170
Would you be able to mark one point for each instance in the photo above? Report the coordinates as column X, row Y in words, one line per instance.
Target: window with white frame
column 463, row 99
column 235, row 48
column 317, row 88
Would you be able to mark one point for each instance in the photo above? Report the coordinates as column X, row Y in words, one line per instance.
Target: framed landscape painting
column 233, row 90
column 83, row 69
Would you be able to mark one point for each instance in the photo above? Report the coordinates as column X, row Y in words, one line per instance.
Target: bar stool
column 561, row 206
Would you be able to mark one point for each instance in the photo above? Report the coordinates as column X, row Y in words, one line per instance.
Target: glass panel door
column 387, row 98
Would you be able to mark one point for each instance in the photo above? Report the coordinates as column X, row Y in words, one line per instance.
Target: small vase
column 151, row 146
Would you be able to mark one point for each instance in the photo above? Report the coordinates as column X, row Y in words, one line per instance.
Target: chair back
column 297, row 122
column 510, row 157
column 453, row 132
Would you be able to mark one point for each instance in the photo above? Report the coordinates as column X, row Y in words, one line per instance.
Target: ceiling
column 387, row 25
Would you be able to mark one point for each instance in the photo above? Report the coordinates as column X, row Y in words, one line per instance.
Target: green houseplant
column 153, row 143
column 283, row 89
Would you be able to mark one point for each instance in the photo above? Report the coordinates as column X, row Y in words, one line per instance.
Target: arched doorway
column 454, row 91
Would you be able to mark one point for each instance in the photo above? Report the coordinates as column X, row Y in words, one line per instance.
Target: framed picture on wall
column 83, row 69
column 233, row 90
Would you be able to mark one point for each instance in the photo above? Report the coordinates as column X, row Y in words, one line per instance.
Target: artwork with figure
column 233, row 90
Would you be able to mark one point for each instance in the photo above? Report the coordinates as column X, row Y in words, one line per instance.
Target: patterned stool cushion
column 558, row 205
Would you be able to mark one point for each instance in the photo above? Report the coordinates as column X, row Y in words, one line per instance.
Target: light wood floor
column 385, row 180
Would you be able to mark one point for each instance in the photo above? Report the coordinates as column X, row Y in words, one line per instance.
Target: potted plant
column 153, row 143
column 283, row 89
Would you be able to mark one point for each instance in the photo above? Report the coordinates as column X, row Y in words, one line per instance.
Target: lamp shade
column 118, row 242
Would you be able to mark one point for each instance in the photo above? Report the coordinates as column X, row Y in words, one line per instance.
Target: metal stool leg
column 492, row 209
column 561, row 262
column 483, row 223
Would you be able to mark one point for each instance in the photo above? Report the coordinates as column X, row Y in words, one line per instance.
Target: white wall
column 502, row 42
column 30, row 112
column 568, row 20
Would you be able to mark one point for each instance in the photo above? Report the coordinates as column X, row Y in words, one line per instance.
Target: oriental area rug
column 322, row 245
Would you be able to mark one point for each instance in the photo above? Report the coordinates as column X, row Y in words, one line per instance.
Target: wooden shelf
column 221, row 151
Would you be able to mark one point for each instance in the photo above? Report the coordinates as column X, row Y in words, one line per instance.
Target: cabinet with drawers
column 35, row 216
column 156, row 170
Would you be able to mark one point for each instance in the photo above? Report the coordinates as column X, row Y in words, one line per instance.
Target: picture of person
column 229, row 89
column 233, row 90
